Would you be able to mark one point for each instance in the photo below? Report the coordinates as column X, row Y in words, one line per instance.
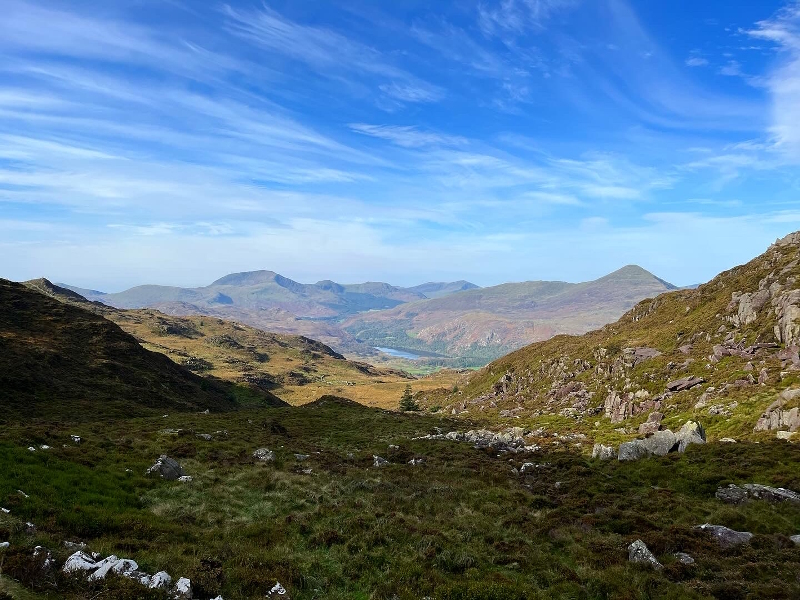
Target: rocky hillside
column 60, row 360
column 725, row 354
column 296, row 368
column 482, row 324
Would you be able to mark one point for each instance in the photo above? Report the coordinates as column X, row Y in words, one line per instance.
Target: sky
column 174, row 142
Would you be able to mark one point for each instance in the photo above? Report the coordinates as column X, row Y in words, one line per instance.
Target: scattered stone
column 638, row 552
column 76, row 438
column 182, row 589
column 4, row 545
column 378, row 461
column 120, row 566
column 44, row 447
column 160, row 581
column 691, row 433
column 277, row 590
column 393, row 447
column 167, row 468
column 784, row 435
column 416, row 461
column 31, row 449
column 727, row 440
column 185, row 479
column 603, row 452
column 301, row 457
column 795, row 539
column 5, row 510
column 685, row 383
column 48, row 559
column 684, row 558
column 205, row 436
column 726, row 537
column 734, row 494
column 23, row 494
column 79, row 561
column 30, row 528
column 264, row 455
column 307, row 471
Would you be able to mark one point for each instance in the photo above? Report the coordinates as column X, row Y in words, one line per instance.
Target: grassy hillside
column 481, row 324
column 738, row 333
column 58, row 358
column 461, row 525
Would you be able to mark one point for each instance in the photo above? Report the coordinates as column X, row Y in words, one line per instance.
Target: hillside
column 725, row 353
column 484, row 323
column 296, row 368
column 58, row 358
column 438, row 289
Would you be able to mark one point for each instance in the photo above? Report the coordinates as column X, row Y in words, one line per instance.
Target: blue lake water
column 398, row 353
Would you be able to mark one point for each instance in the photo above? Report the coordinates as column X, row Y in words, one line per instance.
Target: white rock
column 44, row 447
column 121, row 566
column 185, row 479
column 23, row 494
column 80, row 561
column 182, row 589
column 278, row 589
column 31, row 448
column 378, row 461
column 160, row 581
column 5, row 510
column 727, row 440
column 4, row 545
column 76, row 438
column 264, row 454
column 784, row 435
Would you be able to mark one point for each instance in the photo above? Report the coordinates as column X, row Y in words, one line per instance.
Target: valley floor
column 460, row 525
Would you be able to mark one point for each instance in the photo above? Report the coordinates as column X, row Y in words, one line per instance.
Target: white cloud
column 696, row 61
column 783, row 30
column 408, row 136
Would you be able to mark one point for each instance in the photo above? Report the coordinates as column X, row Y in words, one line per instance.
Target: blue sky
column 174, row 142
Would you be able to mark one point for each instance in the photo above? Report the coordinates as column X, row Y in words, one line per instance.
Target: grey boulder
column 691, row 433
column 167, row 468
column 726, row 537
column 603, row 452
column 734, row 494
column 638, row 552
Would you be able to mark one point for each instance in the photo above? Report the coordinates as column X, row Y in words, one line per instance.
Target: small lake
column 398, row 353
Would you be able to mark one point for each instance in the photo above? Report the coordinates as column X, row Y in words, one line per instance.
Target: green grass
column 461, row 526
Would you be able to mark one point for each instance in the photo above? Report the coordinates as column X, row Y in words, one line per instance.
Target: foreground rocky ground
column 336, row 500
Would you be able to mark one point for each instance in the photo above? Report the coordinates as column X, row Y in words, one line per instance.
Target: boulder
column 795, row 539
column 638, row 552
column 734, row 494
column 691, row 433
column 684, row 558
column 603, row 452
column 726, row 537
column 167, row 468
column 632, row 450
column 160, row 581
column 652, row 424
column 112, row 564
column 79, row 561
column 660, row 443
column 264, row 455
column 685, row 383
column 182, row 589
column 378, row 461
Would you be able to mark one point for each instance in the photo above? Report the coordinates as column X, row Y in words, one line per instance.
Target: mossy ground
column 459, row 526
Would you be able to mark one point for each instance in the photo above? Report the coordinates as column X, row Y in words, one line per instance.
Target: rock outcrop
column 734, row 494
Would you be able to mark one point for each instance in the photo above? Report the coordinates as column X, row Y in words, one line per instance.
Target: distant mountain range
column 452, row 320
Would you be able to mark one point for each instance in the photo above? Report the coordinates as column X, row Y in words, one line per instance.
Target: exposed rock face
column 638, row 552
column 734, row 494
column 685, row 383
column 166, row 468
column 787, row 312
column 726, row 537
column 691, row 433
column 603, row 452
column 776, row 417
column 638, row 355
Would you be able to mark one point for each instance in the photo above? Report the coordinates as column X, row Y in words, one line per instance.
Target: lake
column 398, row 353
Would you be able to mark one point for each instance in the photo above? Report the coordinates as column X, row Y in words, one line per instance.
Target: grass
column 461, row 525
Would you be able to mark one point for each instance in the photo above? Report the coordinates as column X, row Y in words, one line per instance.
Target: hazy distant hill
column 437, row 289
column 484, row 323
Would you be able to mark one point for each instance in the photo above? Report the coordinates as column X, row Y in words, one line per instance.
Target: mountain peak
column 246, row 278
column 635, row 273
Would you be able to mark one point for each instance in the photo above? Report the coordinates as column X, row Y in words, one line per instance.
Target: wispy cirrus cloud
column 408, row 136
